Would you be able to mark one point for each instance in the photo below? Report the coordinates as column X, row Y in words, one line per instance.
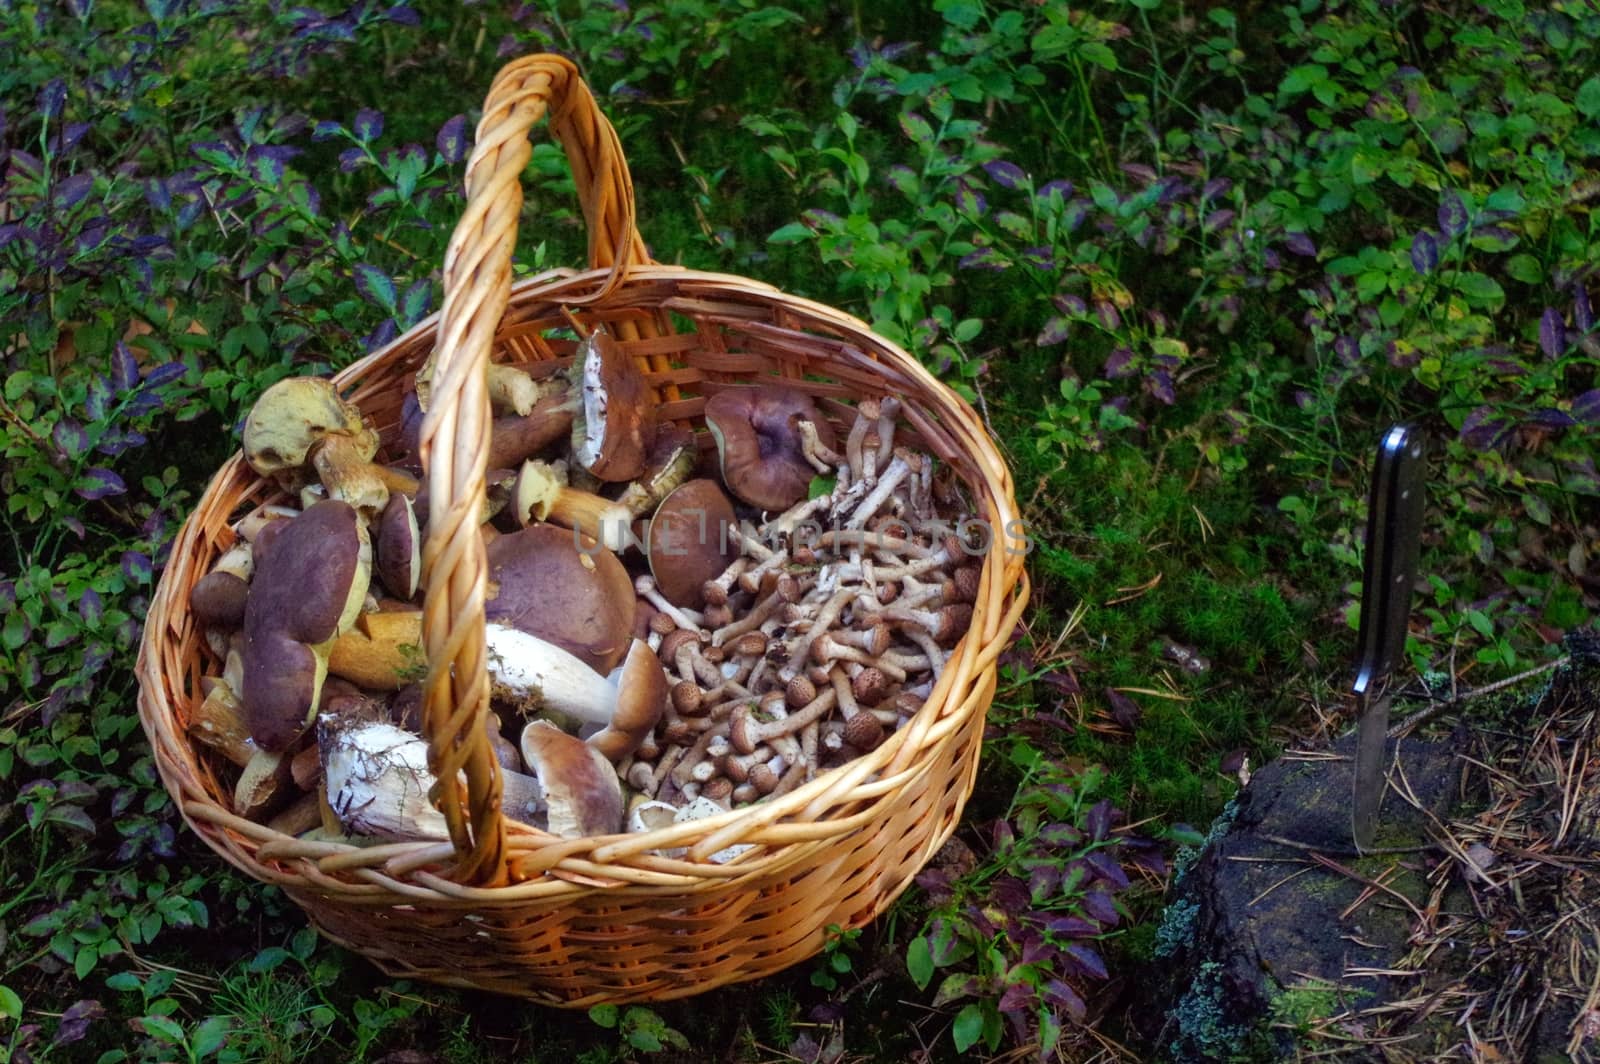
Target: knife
column 1394, row 527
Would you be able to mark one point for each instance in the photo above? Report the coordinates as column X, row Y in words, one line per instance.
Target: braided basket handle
column 455, row 432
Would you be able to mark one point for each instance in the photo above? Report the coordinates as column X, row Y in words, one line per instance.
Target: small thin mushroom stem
column 750, row 622
column 826, row 650
column 716, row 590
column 789, row 522
column 799, row 649
column 808, row 748
column 753, row 576
column 748, row 543
column 796, row 774
column 748, row 733
column 669, row 761
column 682, row 772
column 947, row 625
column 898, row 470
column 822, row 457
column 737, row 766
column 934, row 654
column 645, row 586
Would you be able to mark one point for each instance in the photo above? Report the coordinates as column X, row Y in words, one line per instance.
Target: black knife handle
column 1394, row 532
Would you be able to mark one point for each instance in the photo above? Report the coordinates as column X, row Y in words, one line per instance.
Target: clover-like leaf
column 452, row 139
column 368, row 124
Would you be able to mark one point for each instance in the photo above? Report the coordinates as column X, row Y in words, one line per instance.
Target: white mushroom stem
column 693, row 667
column 898, row 470
column 788, row 522
column 748, row 542
column 737, row 766
column 823, row 458
column 250, row 526
column 683, row 773
column 869, row 459
column 932, row 651
column 687, row 619
column 378, row 782
column 808, row 749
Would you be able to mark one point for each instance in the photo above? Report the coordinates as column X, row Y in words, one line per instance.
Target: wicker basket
column 502, row 906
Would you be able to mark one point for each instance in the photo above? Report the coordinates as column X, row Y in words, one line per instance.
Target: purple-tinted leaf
column 1126, row 712
column 1088, row 960
column 1040, row 258
column 268, row 167
column 70, row 438
column 124, row 367
column 1109, row 317
column 1055, row 331
column 452, row 139
column 380, row 336
column 1582, row 313
column 352, row 159
column 52, row 98
column 165, row 374
column 1483, row 429
column 1052, row 188
column 1063, row 996
column 1119, row 364
column 1072, row 927
column 136, row 567
column 1453, row 217
column 1063, row 680
column 326, row 130
column 1586, row 407
column 74, row 526
column 955, row 987
column 1550, row 419
column 817, row 218
column 1043, row 882
column 403, row 15
column 936, row 882
column 1017, row 998
column 1060, row 835
column 1098, row 904
column 1098, row 821
column 1006, row 175
column 1217, row 186
column 1107, row 868
column 375, row 285
column 71, row 191
column 1424, row 253
column 368, row 124
column 1070, row 304
column 983, row 259
column 1001, row 835
column 1217, row 219
column 90, row 608
column 1159, row 383
column 1402, row 355
column 969, row 200
column 97, row 483
column 1301, row 245
column 1552, row 333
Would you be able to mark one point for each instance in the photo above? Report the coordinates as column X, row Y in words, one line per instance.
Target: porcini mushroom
column 550, row 583
column 582, row 793
column 397, row 548
column 301, row 421
column 542, row 494
column 616, row 421
column 539, row 676
column 308, row 588
column 670, row 461
column 760, row 445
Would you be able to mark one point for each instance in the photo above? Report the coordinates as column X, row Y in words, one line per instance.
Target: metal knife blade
column 1394, row 528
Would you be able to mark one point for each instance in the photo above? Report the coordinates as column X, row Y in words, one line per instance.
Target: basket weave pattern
column 505, row 907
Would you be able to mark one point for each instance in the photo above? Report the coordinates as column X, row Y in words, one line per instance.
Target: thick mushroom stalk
column 670, row 462
column 302, row 421
column 378, row 781
column 542, row 494
column 541, row 677
column 308, row 588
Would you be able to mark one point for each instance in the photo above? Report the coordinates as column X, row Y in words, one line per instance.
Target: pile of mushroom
column 662, row 645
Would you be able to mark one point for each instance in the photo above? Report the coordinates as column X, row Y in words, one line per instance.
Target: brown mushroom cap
column 397, row 548
column 307, row 589
column 758, row 439
column 616, row 423
column 581, row 600
column 581, row 788
column 641, row 698
column 690, row 542
column 218, row 599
